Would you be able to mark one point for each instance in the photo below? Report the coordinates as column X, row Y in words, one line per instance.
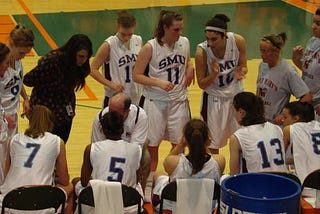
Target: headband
column 271, row 41
column 210, row 28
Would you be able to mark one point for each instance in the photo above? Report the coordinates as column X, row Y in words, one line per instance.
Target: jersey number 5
column 117, row 171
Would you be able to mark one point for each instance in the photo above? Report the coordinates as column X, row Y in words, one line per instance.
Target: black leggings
column 63, row 131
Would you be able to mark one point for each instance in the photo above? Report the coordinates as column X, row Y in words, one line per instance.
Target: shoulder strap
column 137, row 116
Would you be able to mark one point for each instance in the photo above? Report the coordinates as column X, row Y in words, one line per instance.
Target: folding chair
column 287, row 175
column 130, row 197
column 34, row 198
column 312, row 181
column 170, row 193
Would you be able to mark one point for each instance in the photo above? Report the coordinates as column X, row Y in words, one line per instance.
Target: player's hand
column 117, row 87
column 165, row 85
column 26, row 107
column 11, row 123
column 278, row 120
column 215, row 66
column 241, row 72
column 297, row 53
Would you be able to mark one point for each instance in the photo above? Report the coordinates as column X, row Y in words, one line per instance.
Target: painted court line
column 52, row 44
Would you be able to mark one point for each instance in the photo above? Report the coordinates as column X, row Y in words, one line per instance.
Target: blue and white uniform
column 120, row 65
column 218, row 96
column 167, row 112
column 262, row 147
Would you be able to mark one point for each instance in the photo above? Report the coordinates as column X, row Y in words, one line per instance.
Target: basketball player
column 196, row 164
column 34, row 155
column 166, row 58
column 304, row 136
column 117, row 55
column 135, row 120
column 278, row 79
column 221, row 64
column 20, row 42
column 258, row 142
column 112, row 159
column 308, row 61
column 4, row 64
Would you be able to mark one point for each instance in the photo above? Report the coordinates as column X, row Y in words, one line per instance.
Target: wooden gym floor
column 53, row 22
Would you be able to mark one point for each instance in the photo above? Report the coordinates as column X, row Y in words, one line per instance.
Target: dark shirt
column 50, row 88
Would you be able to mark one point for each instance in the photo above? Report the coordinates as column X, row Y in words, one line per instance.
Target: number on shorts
column 118, row 172
column 316, row 143
column 264, row 156
column 35, row 148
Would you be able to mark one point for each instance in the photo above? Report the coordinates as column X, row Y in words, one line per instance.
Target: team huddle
column 146, row 102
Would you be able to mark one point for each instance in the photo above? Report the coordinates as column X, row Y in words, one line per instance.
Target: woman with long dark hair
column 57, row 76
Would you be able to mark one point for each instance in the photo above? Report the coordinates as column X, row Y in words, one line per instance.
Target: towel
column 194, row 196
column 107, row 197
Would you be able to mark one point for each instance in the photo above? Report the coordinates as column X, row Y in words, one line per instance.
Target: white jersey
column 225, row 84
column 262, row 147
column 276, row 85
column 135, row 126
column 168, row 64
column 10, row 88
column 311, row 67
column 119, row 67
column 115, row 161
column 305, row 139
column 210, row 170
column 32, row 161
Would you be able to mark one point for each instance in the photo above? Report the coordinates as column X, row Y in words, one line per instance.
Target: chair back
column 34, row 198
column 287, row 175
column 130, row 197
column 170, row 193
column 312, row 180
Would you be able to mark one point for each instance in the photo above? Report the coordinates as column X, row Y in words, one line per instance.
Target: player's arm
column 189, row 70
column 235, row 150
column 306, row 98
column 61, row 166
column 86, row 168
column 26, row 103
column 8, row 160
column 102, row 55
column 241, row 70
column 221, row 161
column 203, row 79
column 141, row 64
column 297, row 54
column 286, row 136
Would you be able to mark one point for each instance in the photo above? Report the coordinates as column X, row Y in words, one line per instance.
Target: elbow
column 202, row 86
column 135, row 77
column 306, row 98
